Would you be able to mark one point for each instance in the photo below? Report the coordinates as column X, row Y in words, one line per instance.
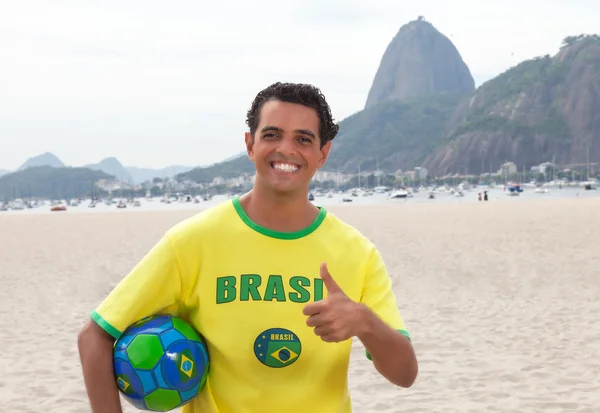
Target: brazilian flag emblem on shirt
column 277, row 347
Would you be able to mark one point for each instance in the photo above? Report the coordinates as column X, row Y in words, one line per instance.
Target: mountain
column 45, row 159
column 49, row 182
column 420, row 61
column 233, row 157
column 392, row 135
column 139, row 175
column 227, row 169
column 113, row 167
column 544, row 108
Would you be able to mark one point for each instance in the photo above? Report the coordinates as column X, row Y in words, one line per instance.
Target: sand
column 502, row 300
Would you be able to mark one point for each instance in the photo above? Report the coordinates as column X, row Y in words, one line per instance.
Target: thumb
column 328, row 280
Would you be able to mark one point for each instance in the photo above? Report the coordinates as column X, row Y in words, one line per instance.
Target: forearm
column 392, row 353
column 95, row 351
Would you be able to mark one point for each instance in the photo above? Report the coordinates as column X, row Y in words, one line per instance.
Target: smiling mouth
column 285, row 167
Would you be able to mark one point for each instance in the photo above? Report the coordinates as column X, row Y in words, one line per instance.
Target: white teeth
column 285, row 167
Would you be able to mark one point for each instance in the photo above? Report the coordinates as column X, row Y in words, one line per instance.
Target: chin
column 283, row 184
column 286, row 188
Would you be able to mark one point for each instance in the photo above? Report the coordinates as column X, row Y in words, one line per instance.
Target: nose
column 287, row 146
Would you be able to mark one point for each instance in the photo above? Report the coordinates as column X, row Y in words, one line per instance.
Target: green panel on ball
column 144, row 351
column 162, row 400
column 185, row 329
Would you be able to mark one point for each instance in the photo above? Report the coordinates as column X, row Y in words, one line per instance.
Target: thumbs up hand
column 335, row 318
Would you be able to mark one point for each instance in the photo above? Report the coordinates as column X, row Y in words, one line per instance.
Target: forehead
column 287, row 115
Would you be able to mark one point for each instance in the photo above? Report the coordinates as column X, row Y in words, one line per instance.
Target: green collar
column 276, row 234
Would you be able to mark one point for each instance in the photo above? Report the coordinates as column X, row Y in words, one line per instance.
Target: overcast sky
column 156, row 83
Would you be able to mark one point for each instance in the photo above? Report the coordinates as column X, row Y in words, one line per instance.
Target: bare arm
column 392, row 353
column 96, row 354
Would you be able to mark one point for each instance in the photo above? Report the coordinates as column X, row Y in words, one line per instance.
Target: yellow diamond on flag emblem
column 186, row 366
column 284, row 355
column 123, row 385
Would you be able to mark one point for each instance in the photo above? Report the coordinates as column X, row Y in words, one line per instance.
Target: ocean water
column 495, row 195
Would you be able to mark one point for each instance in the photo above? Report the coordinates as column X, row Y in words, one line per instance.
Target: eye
column 305, row 140
column 269, row 135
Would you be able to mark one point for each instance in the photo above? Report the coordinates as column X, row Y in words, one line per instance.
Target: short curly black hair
column 303, row 94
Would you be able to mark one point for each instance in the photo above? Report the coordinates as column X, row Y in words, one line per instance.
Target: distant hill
column 392, row 135
column 419, row 62
column 139, row 175
column 49, row 182
column 113, row 167
column 45, row 159
column 227, row 169
column 233, row 157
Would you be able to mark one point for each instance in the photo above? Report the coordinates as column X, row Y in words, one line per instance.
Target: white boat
column 464, row 186
column 17, row 205
column 400, row 193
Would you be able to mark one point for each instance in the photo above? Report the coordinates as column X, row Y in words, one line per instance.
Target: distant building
column 421, row 173
column 541, row 168
column 337, row 177
column 218, row 180
column 508, row 168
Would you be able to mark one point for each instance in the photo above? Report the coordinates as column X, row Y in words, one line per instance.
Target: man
column 276, row 285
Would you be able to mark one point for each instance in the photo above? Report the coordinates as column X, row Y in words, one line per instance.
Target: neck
column 279, row 212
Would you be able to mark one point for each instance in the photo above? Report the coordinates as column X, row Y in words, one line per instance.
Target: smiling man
column 277, row 286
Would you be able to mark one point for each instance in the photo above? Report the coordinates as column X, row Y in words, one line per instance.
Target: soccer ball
column 160, row 363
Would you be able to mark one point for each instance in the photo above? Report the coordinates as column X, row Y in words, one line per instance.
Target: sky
column 156, row 83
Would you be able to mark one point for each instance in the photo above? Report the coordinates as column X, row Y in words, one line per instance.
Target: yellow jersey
column 243, row 288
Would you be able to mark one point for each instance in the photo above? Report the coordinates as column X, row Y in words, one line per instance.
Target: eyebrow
column 276, row 129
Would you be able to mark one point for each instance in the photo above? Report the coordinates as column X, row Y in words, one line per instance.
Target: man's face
column 286, row 147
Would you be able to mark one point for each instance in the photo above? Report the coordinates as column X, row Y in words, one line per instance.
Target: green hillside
column 49, row 183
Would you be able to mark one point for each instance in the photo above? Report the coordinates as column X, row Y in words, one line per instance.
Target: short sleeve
column 153, row 286
column 378, row 295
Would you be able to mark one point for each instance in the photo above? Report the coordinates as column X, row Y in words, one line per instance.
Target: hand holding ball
column 160, row 363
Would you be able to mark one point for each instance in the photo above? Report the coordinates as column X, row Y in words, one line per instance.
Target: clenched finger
column 315, row 320
column 330, row 338
column 323, row 330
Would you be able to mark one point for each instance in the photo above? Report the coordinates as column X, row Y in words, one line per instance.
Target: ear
column 324, row 154
column 249, row 145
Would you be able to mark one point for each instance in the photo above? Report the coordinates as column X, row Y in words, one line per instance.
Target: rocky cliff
column 544, row 108
column 419, row 61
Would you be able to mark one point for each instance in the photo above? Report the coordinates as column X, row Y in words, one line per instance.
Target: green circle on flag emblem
column 277, row 347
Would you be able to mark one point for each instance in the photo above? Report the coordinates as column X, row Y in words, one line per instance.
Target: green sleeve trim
column 105, row 325
column 403, row 332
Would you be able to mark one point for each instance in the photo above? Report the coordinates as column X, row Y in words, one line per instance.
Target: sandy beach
column 502, row 300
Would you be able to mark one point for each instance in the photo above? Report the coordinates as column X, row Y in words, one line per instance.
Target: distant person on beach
column 485, row 195
column 259, row 271
column 479, row 196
